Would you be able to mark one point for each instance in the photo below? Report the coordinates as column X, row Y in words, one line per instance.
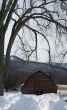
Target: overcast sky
column 42, row 44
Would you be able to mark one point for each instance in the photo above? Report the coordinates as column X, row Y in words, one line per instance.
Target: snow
column 18, row 101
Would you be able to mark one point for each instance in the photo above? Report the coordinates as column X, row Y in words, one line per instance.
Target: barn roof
column 39, row 83
column 39, row 74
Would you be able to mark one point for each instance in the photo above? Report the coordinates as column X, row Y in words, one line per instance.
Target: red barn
column 39, row 83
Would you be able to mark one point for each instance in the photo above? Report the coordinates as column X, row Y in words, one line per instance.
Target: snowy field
column 17, row 101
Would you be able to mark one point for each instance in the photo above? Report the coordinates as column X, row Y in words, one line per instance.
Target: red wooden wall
column 39, row 83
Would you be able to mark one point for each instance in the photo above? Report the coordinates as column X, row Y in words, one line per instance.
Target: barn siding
column 39, row 83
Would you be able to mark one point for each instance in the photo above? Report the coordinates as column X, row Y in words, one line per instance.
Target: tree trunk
column 1, row 81
column 1, row 60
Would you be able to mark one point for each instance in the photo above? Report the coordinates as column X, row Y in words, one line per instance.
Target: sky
column 42, row 44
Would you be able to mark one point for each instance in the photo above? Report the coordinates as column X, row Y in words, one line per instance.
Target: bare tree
column 20, row 12
column 50, row 14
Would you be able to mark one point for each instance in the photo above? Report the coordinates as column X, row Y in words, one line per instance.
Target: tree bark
column 1, row 81
column 1, row 60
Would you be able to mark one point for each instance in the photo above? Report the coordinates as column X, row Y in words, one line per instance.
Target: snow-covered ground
column 18, row 101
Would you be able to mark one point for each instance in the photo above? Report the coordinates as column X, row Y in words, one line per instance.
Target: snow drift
column 18, row 101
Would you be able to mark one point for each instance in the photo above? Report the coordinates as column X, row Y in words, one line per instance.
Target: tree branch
column 10, row 13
